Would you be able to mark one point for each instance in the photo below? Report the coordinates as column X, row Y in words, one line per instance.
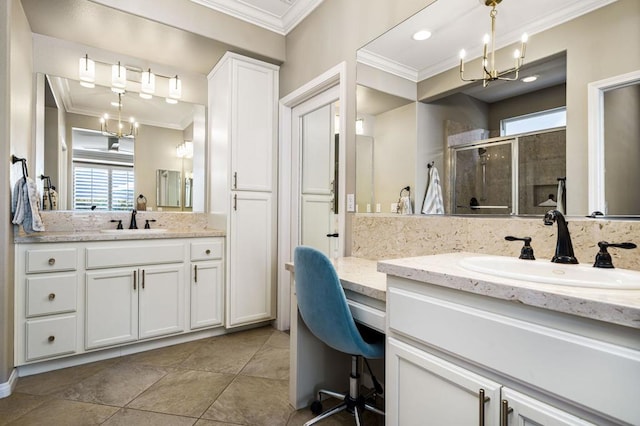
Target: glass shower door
column 483, row 179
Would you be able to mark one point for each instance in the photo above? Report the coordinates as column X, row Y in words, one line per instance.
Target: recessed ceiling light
column 422, row 35
column 115, row 104
column 529, row 79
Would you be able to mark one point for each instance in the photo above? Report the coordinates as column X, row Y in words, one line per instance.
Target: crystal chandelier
column 489, row 72
column 119, row 133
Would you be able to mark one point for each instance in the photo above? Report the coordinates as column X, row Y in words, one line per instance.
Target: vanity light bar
column 87, row 75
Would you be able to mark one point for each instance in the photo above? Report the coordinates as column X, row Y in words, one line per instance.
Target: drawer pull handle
column 504, row 412
column 482, row 399
column 235, row 180
column 134, row 280
column 52, row 261
column 195, row 273
column 52, row 296
column 143, row 279
column 51, row 339
column 208, row 251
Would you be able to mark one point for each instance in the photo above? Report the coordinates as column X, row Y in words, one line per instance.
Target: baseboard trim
column 7, row 387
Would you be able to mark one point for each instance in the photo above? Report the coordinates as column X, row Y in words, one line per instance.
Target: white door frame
column 288, row 218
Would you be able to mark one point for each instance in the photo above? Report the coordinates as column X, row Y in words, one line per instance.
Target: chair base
column 353, row 402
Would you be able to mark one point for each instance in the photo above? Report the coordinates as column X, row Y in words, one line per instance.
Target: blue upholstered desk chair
column 323, row 308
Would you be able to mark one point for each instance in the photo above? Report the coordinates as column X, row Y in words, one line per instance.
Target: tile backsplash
column 383, row 236
column 76, row 221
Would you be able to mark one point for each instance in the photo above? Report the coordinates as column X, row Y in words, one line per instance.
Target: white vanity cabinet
column 47, row 302
column 78, row 297
column 207, row 283
column 535, row 367
column 243, row 100
column 144, row 280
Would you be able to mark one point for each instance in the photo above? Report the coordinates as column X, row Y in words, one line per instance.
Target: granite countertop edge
column 62, row 237
column 621, row 307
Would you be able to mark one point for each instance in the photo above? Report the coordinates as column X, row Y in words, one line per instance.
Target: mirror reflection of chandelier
column 120, row 132
column 489, row 72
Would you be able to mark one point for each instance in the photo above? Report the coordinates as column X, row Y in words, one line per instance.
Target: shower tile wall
column 541, row 161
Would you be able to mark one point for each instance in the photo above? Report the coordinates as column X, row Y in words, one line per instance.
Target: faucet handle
column 603, row 258
column 527, row 251
column 119, row 223
column 146, row 223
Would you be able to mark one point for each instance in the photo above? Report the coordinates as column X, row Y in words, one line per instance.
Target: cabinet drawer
column 51, row 294
column 51, row 336
column 50, row 260
column 207, row 250
column 134, row 254
column 576, row 367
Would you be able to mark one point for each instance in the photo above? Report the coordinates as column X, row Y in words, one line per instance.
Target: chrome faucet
column 564, row 248
column 133, row 224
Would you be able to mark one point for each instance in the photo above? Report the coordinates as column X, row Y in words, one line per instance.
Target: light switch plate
column 351, row 203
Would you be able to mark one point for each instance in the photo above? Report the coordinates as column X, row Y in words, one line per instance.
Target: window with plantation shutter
column 108, row 187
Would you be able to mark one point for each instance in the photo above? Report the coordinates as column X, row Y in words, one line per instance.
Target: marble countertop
column 358, row 275
column 62, row 237
column 610, row 305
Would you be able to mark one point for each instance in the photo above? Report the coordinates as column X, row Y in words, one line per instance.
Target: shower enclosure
column 512, row 175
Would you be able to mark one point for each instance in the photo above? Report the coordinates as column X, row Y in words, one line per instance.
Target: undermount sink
column 133, row 231
column 545, row 271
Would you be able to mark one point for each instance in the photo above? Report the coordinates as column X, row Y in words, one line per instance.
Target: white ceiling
column 461, row 24
column 279, row 16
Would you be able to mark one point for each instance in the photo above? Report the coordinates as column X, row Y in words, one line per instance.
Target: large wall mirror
column 460, row 127
column 93, row 168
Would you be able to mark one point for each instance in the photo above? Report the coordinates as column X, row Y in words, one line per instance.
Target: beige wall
column 16, row 116
column 393, row 155
column 541, row 100
column 594, row 52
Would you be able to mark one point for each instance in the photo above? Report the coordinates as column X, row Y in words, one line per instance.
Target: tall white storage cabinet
column 243, row 96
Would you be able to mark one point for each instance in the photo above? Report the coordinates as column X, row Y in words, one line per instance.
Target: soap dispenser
column 141, row 203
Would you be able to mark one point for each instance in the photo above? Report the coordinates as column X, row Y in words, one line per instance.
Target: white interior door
column 313, row 130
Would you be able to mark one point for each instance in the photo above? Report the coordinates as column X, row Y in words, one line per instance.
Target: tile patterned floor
column 236, row 379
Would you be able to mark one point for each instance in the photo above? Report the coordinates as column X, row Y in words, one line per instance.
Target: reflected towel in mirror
column 433, row 203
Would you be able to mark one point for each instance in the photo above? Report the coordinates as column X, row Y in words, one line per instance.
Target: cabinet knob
column 52, row 261
column 51, row 338
column 208, row 251
column 52, row 296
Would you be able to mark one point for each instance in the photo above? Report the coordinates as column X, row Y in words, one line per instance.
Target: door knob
column 336, row 235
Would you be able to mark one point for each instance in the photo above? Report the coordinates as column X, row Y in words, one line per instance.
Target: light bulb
column 486, row 39
column 525, row 37
column 516, row 53
column 87, row 71
column 463, row 54
column 118, row 76
column 148, row 82
column 175, row 87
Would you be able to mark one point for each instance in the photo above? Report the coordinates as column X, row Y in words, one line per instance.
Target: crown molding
column 385, row 64
column 297, row 11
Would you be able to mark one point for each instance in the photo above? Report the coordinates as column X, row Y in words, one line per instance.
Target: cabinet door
column 161, row 299
column 250, row 291
column 206, row 294
column 425, row 390
column 526, row 411
column 112, row 307
column 253, row 109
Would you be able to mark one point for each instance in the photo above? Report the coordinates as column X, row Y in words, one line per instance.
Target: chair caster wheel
column 316, row 407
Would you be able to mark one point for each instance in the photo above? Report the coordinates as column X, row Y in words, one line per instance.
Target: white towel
column 404, row 205
column 433, row 203
column 561, row 196
column 26, row 206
